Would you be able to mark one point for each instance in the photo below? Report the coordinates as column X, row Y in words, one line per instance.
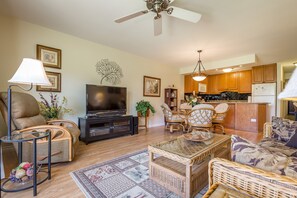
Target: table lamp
column 31, row 71
column 290, row 91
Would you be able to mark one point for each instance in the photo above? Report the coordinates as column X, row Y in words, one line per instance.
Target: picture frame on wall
column 50, row 57
column 151, row 86
column 55, row 79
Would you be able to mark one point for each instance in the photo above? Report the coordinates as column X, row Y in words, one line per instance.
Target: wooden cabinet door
column 188, row 84
column 222, row 82
column 232, row 81
column 257, row 73
column 269, row 73
column 195, row 85
column 212, row 85
column 245, row 81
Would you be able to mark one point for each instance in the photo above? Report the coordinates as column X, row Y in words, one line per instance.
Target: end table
column 43, row 175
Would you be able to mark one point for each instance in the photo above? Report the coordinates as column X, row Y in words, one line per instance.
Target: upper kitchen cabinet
column 191, row 85
column 245, row 81
column 188, row 87
column 264, row 74
column 222, row 82
column 212, row 87
column 232, row 81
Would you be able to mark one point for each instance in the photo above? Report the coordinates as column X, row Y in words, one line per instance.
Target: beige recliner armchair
column 26, row 117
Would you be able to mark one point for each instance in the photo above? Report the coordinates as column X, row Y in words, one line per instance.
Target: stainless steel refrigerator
column 265, row 93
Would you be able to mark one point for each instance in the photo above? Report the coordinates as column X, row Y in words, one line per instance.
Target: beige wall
column 18, row 40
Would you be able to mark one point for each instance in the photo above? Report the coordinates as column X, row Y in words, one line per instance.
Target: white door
column 270, row 108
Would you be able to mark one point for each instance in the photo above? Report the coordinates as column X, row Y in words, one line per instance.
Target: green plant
column 52, row 109
column 143, row 106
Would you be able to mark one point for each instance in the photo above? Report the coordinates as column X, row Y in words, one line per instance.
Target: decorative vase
column 147, row 113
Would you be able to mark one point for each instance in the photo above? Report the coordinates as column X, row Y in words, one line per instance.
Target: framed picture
column 151, row 86
column 55, row 79
column 50, row 57
column 202, row 87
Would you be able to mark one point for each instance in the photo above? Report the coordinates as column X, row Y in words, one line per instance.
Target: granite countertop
column 234, row 102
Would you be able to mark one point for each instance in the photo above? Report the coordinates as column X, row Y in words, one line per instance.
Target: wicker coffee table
column 182, row 165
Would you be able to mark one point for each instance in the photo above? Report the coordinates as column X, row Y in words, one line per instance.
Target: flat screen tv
column 106, row 99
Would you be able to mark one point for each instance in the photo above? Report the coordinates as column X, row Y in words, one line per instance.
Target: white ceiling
column 227, row 29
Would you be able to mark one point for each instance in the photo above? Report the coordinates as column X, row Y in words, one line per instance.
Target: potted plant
column 52, row 110
column 143, row 108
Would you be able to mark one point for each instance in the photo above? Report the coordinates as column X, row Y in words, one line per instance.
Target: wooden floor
column 62, row 185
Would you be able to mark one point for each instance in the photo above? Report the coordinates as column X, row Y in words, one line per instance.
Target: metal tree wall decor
column 110, row 71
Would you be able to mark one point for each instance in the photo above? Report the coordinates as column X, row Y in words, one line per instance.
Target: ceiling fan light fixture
column 226, row 70
column 199, row 76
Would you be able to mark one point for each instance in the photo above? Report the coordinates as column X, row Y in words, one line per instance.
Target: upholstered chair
column 26, row 117
column 200, row 118
column 173, row 120
column 219, row 118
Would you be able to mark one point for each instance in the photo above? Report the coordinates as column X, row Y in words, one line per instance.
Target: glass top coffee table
column 180, row 165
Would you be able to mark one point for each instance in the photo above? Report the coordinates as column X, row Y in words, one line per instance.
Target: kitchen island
column 244, row 116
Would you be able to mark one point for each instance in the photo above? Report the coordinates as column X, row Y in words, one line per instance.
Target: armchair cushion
column 251, row 154
column 23, row 116
column 283, row 129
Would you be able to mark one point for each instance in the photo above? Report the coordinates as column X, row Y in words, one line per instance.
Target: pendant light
column 199, row 76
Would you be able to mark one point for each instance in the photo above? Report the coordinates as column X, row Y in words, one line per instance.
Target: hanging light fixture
column 199, row 76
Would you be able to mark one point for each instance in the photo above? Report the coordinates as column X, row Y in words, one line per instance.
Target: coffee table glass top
column 188, row 149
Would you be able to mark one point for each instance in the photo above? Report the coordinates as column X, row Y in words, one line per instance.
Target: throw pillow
column 283, row 129
column 293, row 141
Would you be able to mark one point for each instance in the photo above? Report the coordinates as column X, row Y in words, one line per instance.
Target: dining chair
column 173, row 120
column 200, row 118
column 219, row 119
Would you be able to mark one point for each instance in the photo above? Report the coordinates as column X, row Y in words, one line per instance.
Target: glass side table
column 43, row 175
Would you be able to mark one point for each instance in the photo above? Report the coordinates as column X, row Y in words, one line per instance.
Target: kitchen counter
column 233, row 102
column 244, row 116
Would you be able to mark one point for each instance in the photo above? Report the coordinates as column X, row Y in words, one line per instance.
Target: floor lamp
column 31, row 71
column 290, row 91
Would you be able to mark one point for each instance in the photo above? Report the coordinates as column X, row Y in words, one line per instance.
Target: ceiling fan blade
column 186, row 15
column 131, row 16
column 157, row 25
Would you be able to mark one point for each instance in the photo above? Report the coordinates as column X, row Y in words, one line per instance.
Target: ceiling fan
column 158, row 6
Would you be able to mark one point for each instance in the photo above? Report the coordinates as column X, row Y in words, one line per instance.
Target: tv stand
column 95, row 128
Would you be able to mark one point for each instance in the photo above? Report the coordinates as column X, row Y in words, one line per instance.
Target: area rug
column 123, row 177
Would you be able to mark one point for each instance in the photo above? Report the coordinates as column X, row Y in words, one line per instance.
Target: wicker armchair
column 219, row 118
column 249, row 180
column 173, row 120
column 200, row 118
column 26, row 117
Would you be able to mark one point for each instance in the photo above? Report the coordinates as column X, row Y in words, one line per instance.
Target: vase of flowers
column 53, row 109
column 193, row 100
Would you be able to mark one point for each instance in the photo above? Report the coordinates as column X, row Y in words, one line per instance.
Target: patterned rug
column 123, row 177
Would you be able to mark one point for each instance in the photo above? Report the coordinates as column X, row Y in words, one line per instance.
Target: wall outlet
column 253, row 120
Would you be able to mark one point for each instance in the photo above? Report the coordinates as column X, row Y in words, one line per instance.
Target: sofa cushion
column 274, row 145
column 283, row 129
column 251, row 154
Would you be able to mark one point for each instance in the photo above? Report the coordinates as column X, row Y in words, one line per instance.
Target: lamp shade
column 31, row 71
column 290, row 91
column 199, row 77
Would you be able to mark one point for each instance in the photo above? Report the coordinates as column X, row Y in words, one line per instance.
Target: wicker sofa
column 251, row 181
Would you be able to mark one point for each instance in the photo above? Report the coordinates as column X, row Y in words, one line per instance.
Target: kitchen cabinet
column 191, row 85
column 269, row 73
column 188, row 87
column 212, row 87
column 222, row 82
column 232, row 81
column 236, row 81
column 245, row 81
column 264, row 74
